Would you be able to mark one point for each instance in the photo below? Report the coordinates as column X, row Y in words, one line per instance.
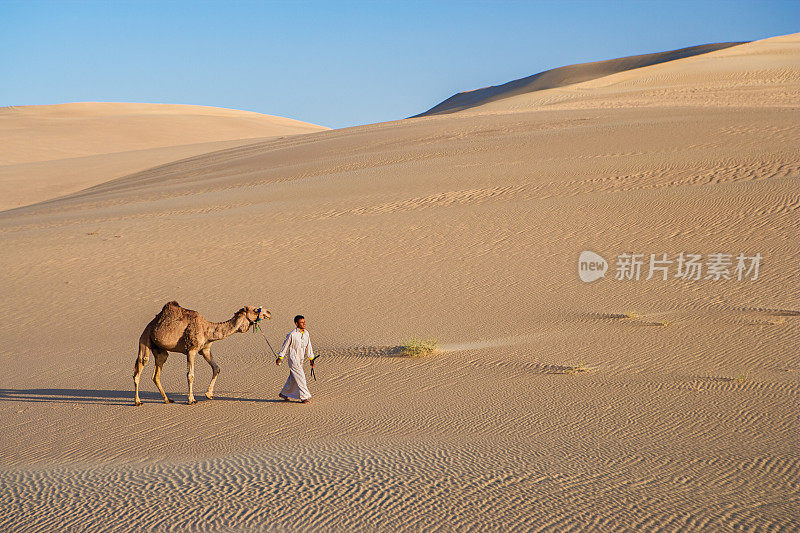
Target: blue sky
column 336, row 63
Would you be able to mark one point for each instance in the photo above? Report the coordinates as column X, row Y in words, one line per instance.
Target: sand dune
column 554, row 405
column 563, row 76
column 52, row 150
column 761, row 74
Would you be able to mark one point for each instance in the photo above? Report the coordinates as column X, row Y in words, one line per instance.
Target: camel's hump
column 170, row 308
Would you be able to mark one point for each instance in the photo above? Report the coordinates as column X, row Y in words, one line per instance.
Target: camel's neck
column 220, row 330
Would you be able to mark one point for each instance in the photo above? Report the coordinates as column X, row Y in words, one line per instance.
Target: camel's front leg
column 214, row 371
column 190, row 374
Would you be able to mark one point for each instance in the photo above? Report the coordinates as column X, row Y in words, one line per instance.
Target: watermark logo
column 684, row 266
column 591, row 266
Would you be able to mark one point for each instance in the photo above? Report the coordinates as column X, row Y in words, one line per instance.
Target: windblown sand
column 465, row 227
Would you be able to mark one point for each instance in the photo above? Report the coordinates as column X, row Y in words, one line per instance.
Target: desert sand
column 52, row 150
column 551, row 405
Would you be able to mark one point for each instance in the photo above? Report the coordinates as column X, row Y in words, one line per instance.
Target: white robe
column 297, row 345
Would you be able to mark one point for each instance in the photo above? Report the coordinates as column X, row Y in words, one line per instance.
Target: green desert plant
column 741, row 378
column 416, row 347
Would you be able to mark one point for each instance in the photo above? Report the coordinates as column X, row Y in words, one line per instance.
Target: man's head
column 300, row 321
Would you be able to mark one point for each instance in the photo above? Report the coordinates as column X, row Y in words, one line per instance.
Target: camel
column 180, row 330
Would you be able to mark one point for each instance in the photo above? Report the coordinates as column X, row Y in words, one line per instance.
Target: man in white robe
column 297, row 345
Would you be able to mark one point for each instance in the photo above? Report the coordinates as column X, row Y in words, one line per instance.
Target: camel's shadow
column 106, row 397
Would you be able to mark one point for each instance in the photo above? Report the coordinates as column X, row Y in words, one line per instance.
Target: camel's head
column 253, row 315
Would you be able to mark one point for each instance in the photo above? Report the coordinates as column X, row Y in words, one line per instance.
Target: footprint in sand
column 764, row 316
column 757, row 316
column 632, row 318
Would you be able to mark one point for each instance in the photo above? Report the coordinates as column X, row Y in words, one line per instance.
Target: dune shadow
column 393, row 351
column 107, row 397
column 560, row 369
column 715, row 379
column 373, row 351
column 565, row 76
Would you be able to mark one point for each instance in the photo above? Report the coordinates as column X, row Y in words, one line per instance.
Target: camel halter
column 254, row 324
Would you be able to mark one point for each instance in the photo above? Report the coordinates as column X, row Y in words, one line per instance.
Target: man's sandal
column 285, row 399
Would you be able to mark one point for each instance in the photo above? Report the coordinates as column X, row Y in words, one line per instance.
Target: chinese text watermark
column 684, row 266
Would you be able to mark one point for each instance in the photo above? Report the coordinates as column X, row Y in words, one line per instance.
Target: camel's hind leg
column 214, row 371
column 141, row 361
column 161, row 358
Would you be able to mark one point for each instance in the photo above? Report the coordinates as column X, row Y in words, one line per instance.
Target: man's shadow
column 107, row 397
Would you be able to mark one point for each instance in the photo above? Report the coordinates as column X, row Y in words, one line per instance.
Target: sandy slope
column 564, row 76
column 466, row 227
column 48, row 151
column 758, row 74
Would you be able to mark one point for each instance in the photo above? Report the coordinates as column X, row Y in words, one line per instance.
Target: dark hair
column 298, row 317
